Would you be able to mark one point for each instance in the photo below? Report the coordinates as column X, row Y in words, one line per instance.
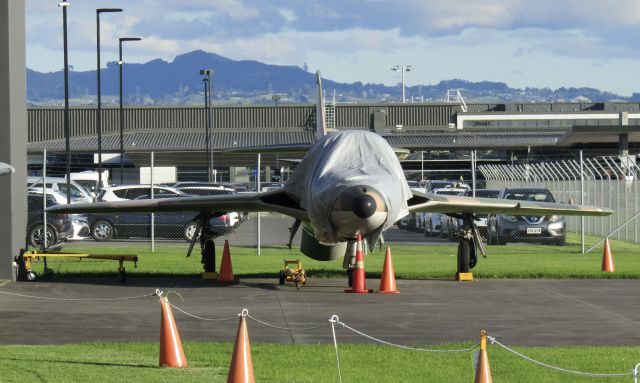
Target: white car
column 433, row 222
column 59, row 184
column 129, row 192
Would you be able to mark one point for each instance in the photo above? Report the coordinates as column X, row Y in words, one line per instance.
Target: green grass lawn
column 137, row 362
column 410, row 261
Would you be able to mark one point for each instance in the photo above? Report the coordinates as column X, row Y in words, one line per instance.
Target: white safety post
column 44, row 200
column 153, row 216
column 258, row 190
column 582, row 245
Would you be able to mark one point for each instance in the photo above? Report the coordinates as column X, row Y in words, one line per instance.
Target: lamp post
column 120, row 64
column 207, row 104
column 402, row 68
column 64, row 6
column 99, row 89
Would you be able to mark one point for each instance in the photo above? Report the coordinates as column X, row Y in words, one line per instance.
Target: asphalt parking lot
column 518, row 312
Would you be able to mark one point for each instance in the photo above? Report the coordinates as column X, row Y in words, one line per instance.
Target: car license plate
column 534, row 230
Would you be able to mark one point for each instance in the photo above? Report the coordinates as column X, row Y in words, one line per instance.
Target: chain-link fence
column 604, row 181
column 610, row 182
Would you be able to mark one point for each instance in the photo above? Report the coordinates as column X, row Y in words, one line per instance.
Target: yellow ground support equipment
column 464, row 277
column 24, row 261
column 296, row 275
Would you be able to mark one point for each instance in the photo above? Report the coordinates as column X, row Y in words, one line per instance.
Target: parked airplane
column 6, row 169
column 348, row 183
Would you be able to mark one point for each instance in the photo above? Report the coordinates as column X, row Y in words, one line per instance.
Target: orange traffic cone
column 241, row 369
column 607, row 258
column 226, row 269
column 388, row 278
column 483, row 372
column 171, row 353
column 358, row 273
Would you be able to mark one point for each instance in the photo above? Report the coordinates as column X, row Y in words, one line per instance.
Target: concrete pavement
column 518, row 312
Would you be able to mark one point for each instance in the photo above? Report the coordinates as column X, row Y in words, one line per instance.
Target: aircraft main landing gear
column 469, row 242
column 207, row 237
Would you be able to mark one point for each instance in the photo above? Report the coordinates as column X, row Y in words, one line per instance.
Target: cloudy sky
column 543, row 43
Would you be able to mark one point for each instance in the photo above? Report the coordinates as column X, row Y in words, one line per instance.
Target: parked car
column 451, row 225
column 59, row 184
column 268, row 186
column 128, row 192
column 437, row 184
column 432, row 220
column 413, row 221
column 503, row 228
column 105, row 227
column 199, row 191
column 79, row 221
column 59, row 226
column 205, row 190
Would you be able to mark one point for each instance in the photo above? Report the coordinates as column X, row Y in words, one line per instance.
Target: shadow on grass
column 100, row 364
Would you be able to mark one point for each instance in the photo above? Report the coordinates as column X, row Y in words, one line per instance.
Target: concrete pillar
column 623, row 141
column 13, row 132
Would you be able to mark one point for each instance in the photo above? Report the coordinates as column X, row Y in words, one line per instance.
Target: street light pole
column 207, row 105
column 64, row 6
column 121, row 63
column 99, row 89
column 402, row 68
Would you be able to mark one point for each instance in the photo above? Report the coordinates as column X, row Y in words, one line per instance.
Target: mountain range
column 159, row 82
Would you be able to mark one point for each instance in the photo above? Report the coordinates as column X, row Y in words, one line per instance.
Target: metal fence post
column 473, row 171
column 258, row 190
column 44, row 200
column 582, row 245
column 153, row 216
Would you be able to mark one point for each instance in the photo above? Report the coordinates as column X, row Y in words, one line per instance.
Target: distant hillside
column 245, row 81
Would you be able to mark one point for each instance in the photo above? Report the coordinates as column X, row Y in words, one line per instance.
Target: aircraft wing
column 272, row 201
column 427, row 202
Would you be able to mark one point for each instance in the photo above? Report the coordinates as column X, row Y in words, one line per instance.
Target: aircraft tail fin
column 321, row 127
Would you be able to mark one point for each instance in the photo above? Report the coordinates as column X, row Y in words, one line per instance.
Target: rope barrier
column 201, row 318
column 332, row 322
column 77, row 299
column 633, row 373
column 402, row 346
column 288, row 328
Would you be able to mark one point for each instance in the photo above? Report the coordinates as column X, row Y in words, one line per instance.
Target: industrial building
column 438, row 135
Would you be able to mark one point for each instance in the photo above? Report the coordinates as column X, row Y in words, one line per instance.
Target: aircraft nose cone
column 364, row 206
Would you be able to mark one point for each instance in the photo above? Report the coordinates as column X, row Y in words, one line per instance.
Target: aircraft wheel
column 473, row 255
column 209, row 256
column 350, row 277
column 464, row 254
